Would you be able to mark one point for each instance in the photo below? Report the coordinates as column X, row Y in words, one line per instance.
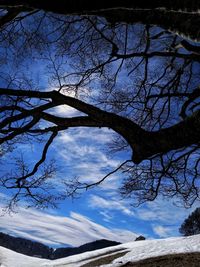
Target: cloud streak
column 53, row 230
column 162, row 210
column 86, row 153
column 162, row 231
column 164, row 216
column 110, row 204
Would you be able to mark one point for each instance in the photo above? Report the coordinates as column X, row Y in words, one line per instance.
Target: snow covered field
column 135, row 251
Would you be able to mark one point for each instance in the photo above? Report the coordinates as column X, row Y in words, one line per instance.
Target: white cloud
column 107, row 217
column 85, row 153
column 162, row 231
column 163, row 210
column 110, row 204
column 164, row 216
column 66, row 111
column 57, row 230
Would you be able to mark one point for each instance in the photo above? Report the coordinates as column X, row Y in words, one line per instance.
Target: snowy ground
column 135, row 251
column 9, row 258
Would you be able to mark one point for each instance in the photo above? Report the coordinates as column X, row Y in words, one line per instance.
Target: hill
column 170, row 252
column 25, row 246
column 98, row 244
column 32, row 248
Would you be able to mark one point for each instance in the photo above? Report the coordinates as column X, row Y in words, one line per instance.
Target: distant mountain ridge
column 98, row 244
column 37, row 249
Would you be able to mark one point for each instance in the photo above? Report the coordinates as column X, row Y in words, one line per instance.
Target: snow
column 153, row 248
column 135, row 251
column 9, row 258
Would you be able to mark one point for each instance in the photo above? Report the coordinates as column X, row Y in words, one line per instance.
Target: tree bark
column 73, row 6
column 153, row 12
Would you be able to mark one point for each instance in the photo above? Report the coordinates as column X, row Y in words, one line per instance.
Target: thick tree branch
column 25, row 114
column 144, row 144
column 194, row 95
column 9, row 16
column 155, row 12
column 180, row 135
column 82, row 121
column 191, row 48
column 71, row 6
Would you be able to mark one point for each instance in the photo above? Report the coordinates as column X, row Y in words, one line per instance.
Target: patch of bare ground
column 175, row 260
column 104, row 260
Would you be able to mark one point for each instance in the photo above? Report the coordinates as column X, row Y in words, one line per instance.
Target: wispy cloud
column 65, row 111
column 164, row 216
column 161, row 216
column 53, row 230
column 81, row 151
column 110, row 204
column 164, row 211
column 84, row 156
column 107, row 217
column 162, row 231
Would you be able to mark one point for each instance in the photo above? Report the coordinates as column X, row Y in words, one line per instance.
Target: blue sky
column 99, row 212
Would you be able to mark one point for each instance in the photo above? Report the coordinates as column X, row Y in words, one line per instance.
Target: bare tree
column 133, row 68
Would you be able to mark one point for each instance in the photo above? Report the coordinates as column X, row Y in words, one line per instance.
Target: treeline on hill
column 32, row 248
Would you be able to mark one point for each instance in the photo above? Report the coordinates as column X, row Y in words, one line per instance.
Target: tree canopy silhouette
column 191, row 225
column 130, row 66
